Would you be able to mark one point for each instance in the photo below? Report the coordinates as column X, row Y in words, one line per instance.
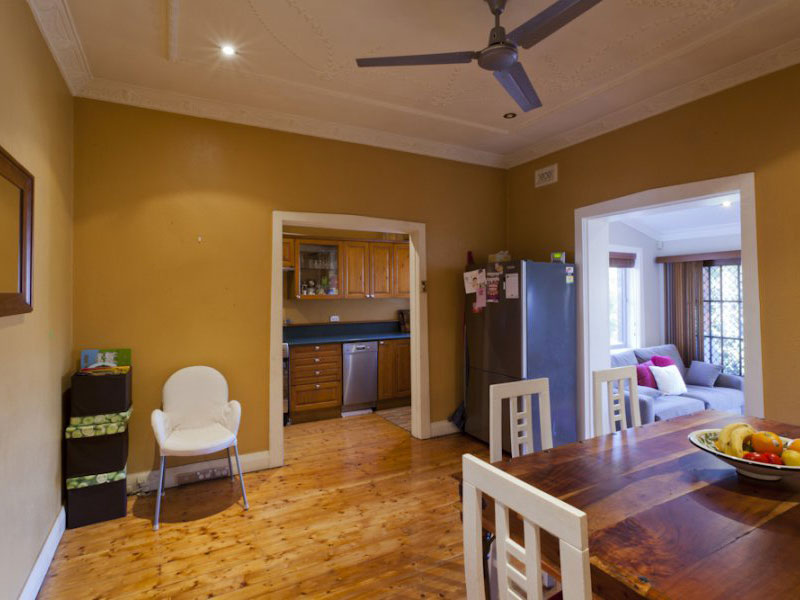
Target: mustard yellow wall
column 9, row 236
column 754, row 127
column 35, row 349
column 148, row 183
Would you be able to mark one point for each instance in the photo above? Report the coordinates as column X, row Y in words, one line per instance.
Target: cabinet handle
column 316, row 347
column 316, row 360
column 316, row 372
column 316, row 385
column 381, row 343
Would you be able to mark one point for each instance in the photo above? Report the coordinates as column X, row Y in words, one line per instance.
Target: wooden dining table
column 668, row 520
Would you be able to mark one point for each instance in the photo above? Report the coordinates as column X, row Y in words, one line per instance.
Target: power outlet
column 334, row 318
column 546, row 175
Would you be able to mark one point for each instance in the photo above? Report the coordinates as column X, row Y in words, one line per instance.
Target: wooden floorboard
column 361, row 510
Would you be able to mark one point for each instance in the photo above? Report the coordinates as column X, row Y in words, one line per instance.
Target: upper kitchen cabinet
column 356, row 275
column 288, row 253
column 318, row 269
column 402, row 271
column 381, row 258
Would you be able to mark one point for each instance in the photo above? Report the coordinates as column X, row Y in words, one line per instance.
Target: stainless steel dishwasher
column 360, row 376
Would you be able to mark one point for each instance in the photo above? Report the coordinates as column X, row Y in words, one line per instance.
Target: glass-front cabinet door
column 318, row 269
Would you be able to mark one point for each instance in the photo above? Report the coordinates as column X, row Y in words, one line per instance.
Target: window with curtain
column 723, row 328
column 620, row 300
column 618, row 306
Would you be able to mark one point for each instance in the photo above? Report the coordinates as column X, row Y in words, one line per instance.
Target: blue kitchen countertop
column 344, row 338
column 339, row 333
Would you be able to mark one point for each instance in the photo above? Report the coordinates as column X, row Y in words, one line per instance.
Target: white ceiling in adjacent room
column 703, row 218
column 294, row 67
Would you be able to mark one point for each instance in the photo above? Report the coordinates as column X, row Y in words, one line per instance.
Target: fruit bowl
column 705, row 438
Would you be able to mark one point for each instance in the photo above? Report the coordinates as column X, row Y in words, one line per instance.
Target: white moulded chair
column 196, row 419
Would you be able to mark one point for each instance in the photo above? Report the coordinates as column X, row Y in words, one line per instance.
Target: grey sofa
column 726, row 395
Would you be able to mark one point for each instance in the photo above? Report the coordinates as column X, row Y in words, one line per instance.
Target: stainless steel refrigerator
column 528, row 332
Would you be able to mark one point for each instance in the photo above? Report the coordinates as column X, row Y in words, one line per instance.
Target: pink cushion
column 661, row 361
column 644, row 375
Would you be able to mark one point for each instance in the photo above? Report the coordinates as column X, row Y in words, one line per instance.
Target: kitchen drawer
column 316, row 373
column 308, row 360
column 316, row 395
column 315, row 350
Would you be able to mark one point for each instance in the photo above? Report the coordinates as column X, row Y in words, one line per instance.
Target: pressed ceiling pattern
column 621, row 61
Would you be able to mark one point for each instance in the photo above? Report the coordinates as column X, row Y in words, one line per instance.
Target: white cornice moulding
column 122, row 93
column 711, row 232
column 751, row 68
column 688, row 233
column 58, row 29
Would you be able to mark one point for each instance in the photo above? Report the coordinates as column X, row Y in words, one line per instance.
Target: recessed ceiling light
column 727, row 203
column 228, row 50
column 509, row 115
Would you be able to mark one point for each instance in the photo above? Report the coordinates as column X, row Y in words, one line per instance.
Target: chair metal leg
column 160, row 488
column 230, row 466
column 241, row 480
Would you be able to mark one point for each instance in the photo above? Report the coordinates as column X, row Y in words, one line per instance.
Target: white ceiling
column 620, row 62
column 702, row 218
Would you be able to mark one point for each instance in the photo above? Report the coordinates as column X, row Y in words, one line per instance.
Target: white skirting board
column 39, row 570
column 439, row 428
column 147, row 481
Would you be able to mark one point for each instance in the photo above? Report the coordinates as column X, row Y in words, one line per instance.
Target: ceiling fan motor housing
column 498, row 57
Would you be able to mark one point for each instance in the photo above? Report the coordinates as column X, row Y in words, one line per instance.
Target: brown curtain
column 621, row 260
column 684, row 308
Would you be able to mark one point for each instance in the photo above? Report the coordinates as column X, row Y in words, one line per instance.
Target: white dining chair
column 196, row 419
column 537, row 510
column 519, row 395
column 613, row 411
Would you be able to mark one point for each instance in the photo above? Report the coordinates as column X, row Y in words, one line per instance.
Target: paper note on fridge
column 473, row 280
column 480, row 297
column 512, row 285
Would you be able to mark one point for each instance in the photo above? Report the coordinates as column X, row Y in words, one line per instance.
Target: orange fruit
column 795, row 445
column 766, row 442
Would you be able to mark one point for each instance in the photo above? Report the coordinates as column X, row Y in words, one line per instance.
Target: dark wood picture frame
column 21, row 301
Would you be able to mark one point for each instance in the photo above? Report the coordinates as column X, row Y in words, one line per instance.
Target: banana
column 737, row 440
column 724, row 437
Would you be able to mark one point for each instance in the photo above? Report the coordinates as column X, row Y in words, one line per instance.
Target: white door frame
column 744, row 184
column 420, row 388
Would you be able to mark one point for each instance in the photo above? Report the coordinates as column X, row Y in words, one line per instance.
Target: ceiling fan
column 501, row 54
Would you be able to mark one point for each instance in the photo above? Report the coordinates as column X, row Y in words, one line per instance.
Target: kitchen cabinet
column 394, row 373
column 402, row 368
column 315, row 374
column 356, row 273
column 381, row 258
column 402, row 271
column 288, row 253
column 317, row 269
column 352, row 269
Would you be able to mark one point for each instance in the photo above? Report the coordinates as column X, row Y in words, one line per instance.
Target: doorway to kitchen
column 613, row 308
column 328, row 270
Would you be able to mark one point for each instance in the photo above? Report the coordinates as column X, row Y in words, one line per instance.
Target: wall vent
column 546, row 175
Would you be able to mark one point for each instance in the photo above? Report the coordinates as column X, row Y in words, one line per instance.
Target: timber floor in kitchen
column 361, row 510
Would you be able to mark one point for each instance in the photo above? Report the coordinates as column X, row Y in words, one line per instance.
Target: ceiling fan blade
column 446, row 58
column 519, row 87
column 550, row 20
